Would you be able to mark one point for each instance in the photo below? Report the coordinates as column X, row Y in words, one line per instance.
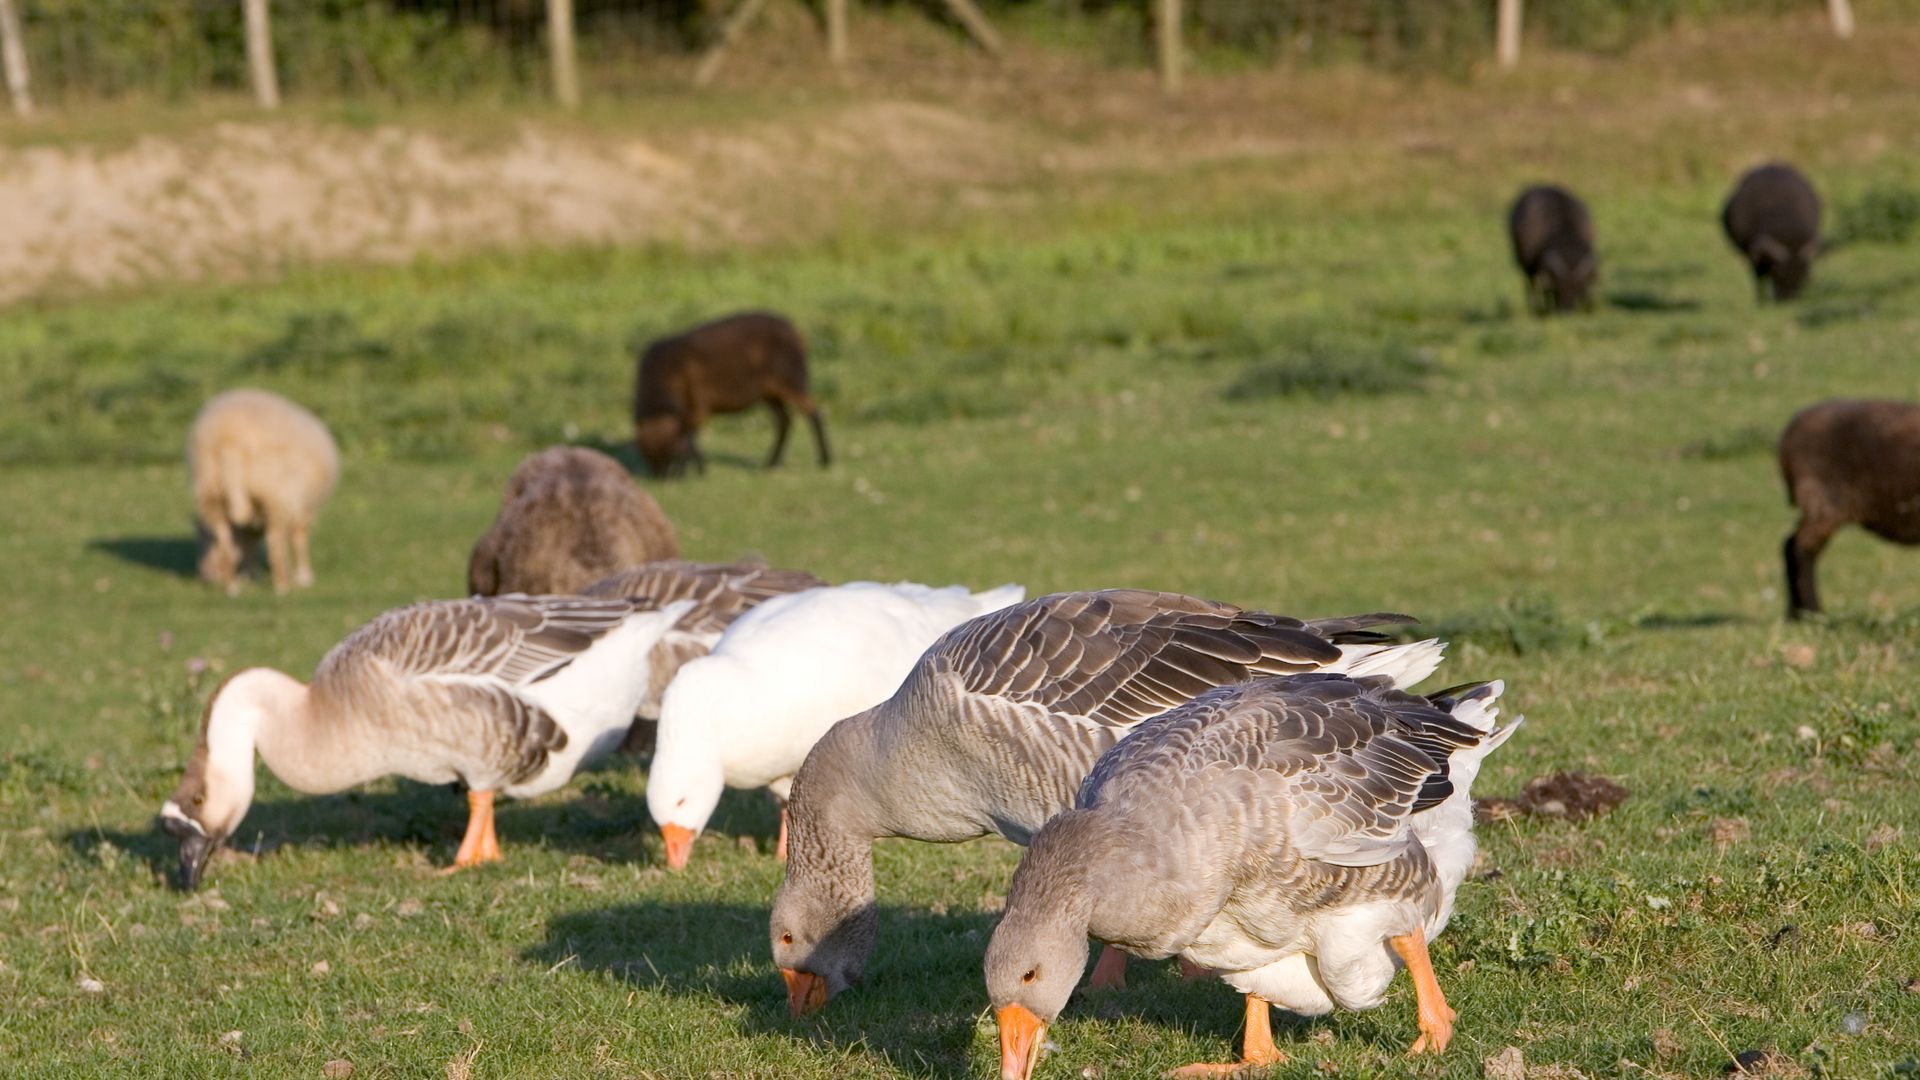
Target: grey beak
column 196, row 847
column 194, row 853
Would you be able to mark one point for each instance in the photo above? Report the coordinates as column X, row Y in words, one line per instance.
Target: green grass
column 1586, row 505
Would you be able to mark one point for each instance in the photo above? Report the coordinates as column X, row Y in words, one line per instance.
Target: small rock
column 1508, row 1064
column 231, row 1038
column 1805, row 733
column 1854, row 1023
column 408, row 908
column 324, row 907
column 337, row 1069
column 1091, row 1072
column 1727, row 832
column 1798, row 656
column 321, row 967
column 91, row 985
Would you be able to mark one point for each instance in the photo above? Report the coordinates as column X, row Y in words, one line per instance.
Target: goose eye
column 1032, row 973
column 198, row 799
column 786, row 939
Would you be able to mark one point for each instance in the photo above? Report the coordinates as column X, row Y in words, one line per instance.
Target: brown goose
column 1297, row 834
column 995, row 727
column 508, row 694
column 721, row 593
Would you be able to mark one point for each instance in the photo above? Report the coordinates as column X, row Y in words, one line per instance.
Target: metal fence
column 63, row 51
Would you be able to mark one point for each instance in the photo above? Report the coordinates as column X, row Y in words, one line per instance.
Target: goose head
column 686, row 779
column 217, row 789
column 1034, row 960
column 821, row 941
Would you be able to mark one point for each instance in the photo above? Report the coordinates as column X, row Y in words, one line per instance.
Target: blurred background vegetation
column 412, row 50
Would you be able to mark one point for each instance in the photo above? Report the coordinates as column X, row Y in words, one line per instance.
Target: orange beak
column 1021, row 1036
column 679, row 846
column 806, row 992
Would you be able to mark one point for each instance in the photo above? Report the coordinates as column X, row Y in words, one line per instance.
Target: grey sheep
column 1848, row 463
column 1773, row 218
column 260, row 465
column 569, row 517
column 724, row 366
column 1552, row 235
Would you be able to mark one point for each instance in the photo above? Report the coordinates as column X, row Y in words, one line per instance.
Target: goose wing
column 722, row 592
column 1331, row 766
column 1116, row 657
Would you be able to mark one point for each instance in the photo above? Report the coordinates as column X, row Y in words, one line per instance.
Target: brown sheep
column 1773, row 218
column 569, row 517
column 260, row 464
column 1848, row 463
column 1552, row 235
column 720, row 367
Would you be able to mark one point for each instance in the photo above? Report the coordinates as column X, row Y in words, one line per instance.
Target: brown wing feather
column 1118, row 656
column 722, row 592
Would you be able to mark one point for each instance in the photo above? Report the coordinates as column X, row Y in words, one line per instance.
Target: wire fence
column 80, row 50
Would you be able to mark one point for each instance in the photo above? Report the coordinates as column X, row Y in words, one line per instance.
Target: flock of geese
column 1260, row 796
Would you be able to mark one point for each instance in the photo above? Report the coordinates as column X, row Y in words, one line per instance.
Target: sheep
column 260, row 464
column 1552, row 237
column 1848, row 463
column 1773, row 218
column 569, row 517
column 720, row 367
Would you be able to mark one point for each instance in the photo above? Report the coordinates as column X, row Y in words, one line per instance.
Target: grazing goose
column 509, row 694
column 745, row 716
column 721, row 592
column 1296, row 834
column 997, row 725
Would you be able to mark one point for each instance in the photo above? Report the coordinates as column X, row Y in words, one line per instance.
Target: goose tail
column 1403, row 664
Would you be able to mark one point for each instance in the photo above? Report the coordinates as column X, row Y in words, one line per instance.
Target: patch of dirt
column 1573, row 795
column 244, row 199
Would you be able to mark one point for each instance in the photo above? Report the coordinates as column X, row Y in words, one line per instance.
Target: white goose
column 507, row 694
column 782, row 674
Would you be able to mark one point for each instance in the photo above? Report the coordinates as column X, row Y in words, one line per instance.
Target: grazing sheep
column 260, row 464
column 1773, row 217
column 720, row 367
column 569, row 517
column 1553, row 243
column 1848, row 463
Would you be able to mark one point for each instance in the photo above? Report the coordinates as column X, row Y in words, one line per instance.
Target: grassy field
column 1316, row 405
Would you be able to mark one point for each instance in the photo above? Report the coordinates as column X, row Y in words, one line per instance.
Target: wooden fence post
column 1841, row 12
column 837, row 32
column 976, row 24
column 13, row 58
column 566, row 75
column 729, row 30
column 1167, row 33
column 266, row 83
column 1507, row 34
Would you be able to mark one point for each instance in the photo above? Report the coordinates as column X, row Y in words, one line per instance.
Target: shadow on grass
column 923, row 1001
column 623, row 451
column 1698, row 620
column 1648, row 301
column 179, row 555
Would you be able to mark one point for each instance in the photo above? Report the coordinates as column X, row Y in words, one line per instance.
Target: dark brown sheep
column 1848, row 463
column 724, row 366
column 1552, row 237
column 1773, row 217
column 569, row 517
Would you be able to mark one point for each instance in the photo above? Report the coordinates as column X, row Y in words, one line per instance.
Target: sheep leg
column 221, row 564
column 1802, row 551
column 302, row 567
column 782, row 423
column 277, row 556
column 819, row 433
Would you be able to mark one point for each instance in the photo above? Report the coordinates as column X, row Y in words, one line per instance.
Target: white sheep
column 261, row 465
